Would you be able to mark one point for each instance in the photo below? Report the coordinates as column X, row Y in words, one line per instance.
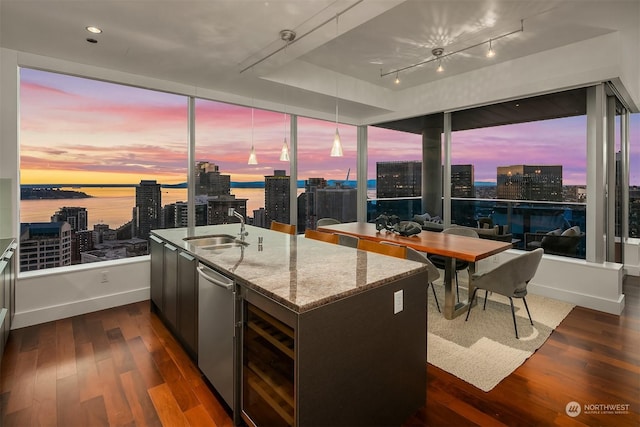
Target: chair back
column 283, row 228
column 322, row 236
column 347, row 240
column 327, row 221
column 461, row 231
column 432, row 270
column 512, row 277
column 391, row 250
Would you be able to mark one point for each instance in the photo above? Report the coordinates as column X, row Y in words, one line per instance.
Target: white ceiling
column 206, row 44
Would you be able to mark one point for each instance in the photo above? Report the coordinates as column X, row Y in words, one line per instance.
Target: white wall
column 57, row 293
column 8, row 147
column 632, row 256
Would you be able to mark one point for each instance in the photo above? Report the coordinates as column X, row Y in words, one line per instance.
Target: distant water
column 114, row 206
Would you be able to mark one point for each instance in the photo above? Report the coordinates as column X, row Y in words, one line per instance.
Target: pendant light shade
column 284, row 154
column 253, row 160
column 336, row 149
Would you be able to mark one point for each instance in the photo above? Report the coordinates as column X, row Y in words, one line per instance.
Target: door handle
column 215, row 278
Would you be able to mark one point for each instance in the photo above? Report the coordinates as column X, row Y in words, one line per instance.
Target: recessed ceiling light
column 94, row 30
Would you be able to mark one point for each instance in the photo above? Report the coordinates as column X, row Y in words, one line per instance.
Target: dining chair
column 327, row 221
column 391, row 250
column 347, row 240
column 440, row 261
column 432, row 270
column 282, row 227
column 322, row 236
column 509, row 279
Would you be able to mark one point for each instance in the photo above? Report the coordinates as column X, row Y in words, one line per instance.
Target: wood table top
column 448, row 245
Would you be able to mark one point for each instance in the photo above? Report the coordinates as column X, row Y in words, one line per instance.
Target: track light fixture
column 438, row 54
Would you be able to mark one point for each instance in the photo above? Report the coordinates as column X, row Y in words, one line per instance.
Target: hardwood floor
column 122, row 367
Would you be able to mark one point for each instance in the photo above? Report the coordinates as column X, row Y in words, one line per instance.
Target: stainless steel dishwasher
column 217, row 333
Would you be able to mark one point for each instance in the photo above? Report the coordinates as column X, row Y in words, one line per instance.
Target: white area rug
column 484, row 350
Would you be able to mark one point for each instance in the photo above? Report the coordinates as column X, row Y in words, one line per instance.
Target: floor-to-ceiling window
column 532, row 175
column 327, row 185
column 394, row 172
column 226, row 137
column 99, row 164
column 634, row 175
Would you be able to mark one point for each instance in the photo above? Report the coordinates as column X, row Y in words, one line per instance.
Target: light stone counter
column 297, row 272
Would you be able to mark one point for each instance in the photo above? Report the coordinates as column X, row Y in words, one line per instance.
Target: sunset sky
column 83, row 131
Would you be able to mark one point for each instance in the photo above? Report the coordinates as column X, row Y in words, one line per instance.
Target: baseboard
column 582, row 300
column 62, row 311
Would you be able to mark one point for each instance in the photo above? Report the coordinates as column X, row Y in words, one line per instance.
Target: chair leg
column 527, row 307
column 435, row 296
column 457, row 289
column 486, row 294
column 473, row 296
column 513, row 314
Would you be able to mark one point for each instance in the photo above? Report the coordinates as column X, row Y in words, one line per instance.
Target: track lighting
column 438, row 54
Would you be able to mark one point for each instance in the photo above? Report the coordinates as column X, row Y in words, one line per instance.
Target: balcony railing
column 525, row 218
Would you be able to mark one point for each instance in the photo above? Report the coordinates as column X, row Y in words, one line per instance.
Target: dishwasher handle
column 215, row 278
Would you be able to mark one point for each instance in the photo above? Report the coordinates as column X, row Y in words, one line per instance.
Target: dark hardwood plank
column 135, row 390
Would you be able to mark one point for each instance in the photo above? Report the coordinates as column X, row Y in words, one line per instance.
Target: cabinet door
column 188, row 301
column 157, row 271
column 170, row 285
column 13, row 274
column 4, row 282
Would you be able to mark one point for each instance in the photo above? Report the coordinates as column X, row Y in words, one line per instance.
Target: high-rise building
column 44, row 245
column 308, row 202
column 218, row 209
column 260, row 218
column 276, row 197
column 339, row 202
column 76, row 217
column 398, row 179
column 462, row 181
column 147, row 213
column 530, row 182
column 210, row 181
column 174, row 215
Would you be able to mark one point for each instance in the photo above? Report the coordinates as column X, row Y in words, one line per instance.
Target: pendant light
column 253, row 160
column 491, row 53
column 336, row 149
column 284, row 154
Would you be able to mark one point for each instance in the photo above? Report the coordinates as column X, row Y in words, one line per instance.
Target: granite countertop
column 297, row 272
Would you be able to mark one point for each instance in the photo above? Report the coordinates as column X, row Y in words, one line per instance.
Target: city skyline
column 76, row 130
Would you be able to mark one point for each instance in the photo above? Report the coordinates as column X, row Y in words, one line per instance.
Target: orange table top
column 449, row 245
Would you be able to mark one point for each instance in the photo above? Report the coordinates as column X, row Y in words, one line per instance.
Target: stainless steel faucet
column 243, row 233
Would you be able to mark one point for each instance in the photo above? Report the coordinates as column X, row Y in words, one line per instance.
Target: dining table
column 450, row 246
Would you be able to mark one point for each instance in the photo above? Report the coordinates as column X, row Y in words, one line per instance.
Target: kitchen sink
column 214, row 241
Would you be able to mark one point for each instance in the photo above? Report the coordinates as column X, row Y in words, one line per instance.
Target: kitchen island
column 329, row 335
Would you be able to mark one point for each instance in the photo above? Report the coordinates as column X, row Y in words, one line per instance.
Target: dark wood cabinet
column 188, row 301
column 8, row 273
column 170, row 285
column 174, row 291
column 356, row 361
column 156, row 248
